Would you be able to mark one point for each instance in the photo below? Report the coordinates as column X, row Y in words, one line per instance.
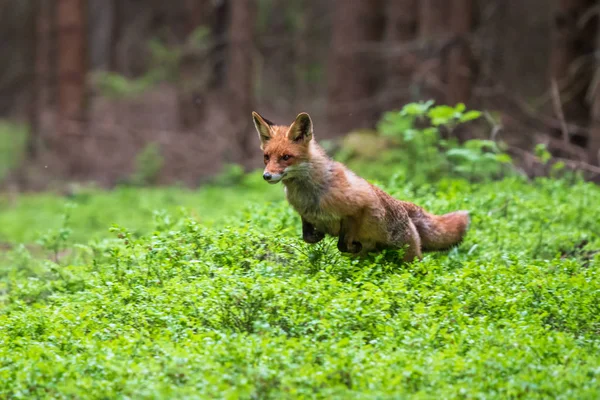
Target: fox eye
column 286, row 157
column 266, row 157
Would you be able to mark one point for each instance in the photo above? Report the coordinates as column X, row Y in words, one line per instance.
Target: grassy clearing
column 27, row 217
column 212, row 294
column 243, row 309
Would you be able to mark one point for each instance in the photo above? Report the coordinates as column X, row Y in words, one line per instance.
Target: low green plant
column 163, row 67
column 541, row 152
column 56, row 241
column 230, row 175
column 13, row 140
column 478, row 159
column 148, row 164
column 245, row 309
column 165, row 59
column 428, row 156
column 116, row 86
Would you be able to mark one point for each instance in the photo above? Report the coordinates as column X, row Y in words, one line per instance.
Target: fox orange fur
column 332, row 200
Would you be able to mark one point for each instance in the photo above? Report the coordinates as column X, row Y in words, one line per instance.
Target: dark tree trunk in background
column 115, row 34
column 197, row 14
column 220, row 22
column 593, row 145
column 72, row 60
column 302, row 57
column 594, row 134
column 17, row 46
column 353, row 75
column 280, row 60
column 193, row 77
column 522, row 46
column 240, row 74
column 433, row 18
column 101, row 28
column 34, row 84
column 433, row 32
column 71, row 89
column 572, row 60
column 460, row 62
column 42, row 58
column 401, row 31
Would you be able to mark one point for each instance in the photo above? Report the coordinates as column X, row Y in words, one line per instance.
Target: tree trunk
column 281, row 61
column 593, row 145
column 40, row 96
column 101, row 28
column 302, row 57
column 72, row 65
column 240, row 74
column 115, row 34
column 193, row 69
column 460, row 62
column 352, row 70
column 197, row 14
column 72, row 68
column 220, row 21
column 401, row 31
column 433, row 32
column 572, row 61
column 516, row 32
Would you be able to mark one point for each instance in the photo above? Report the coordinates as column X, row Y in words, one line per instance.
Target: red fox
column 332, row 200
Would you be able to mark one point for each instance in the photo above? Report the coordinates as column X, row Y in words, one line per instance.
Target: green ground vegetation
column 173, row 293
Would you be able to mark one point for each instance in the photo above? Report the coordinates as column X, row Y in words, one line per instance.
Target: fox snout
column 272, row 177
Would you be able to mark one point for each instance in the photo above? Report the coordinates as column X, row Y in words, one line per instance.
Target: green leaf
column 541, row 151
column 558, row 166
column 441, row 115
column 504, row 158
column 417, row 109
column 470, row 116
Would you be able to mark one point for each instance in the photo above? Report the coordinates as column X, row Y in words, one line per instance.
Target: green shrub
column 13, row 140
column 164, row 67
column 117, row 86
column 148, row 164
column 232, row 174
column 428, row 156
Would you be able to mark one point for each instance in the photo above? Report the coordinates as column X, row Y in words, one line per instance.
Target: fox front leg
column 310, row 234
column 347, row 242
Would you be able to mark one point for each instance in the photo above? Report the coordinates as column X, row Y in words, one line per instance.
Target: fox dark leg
column 347, row 242
column 310, row 234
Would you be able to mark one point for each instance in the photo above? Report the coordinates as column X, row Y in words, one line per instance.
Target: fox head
column 286, row 148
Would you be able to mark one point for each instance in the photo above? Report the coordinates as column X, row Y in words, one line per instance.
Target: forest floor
column 132, row 137
column 169, row 292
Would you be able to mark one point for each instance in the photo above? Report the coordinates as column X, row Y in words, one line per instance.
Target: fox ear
column 302, row 129
column 263, row 127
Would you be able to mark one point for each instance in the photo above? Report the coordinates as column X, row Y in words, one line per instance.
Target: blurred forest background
column 161, row 92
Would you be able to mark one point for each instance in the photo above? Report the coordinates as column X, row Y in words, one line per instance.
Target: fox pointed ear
column 302, row 129
column 263, row 127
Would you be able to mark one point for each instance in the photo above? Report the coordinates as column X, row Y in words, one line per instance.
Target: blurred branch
column 572, row 164
column 587, row 16
column 559, row 111
column 554, row 144
column 533, row 116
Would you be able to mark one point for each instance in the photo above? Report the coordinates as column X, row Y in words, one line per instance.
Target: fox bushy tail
column 441, row 232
